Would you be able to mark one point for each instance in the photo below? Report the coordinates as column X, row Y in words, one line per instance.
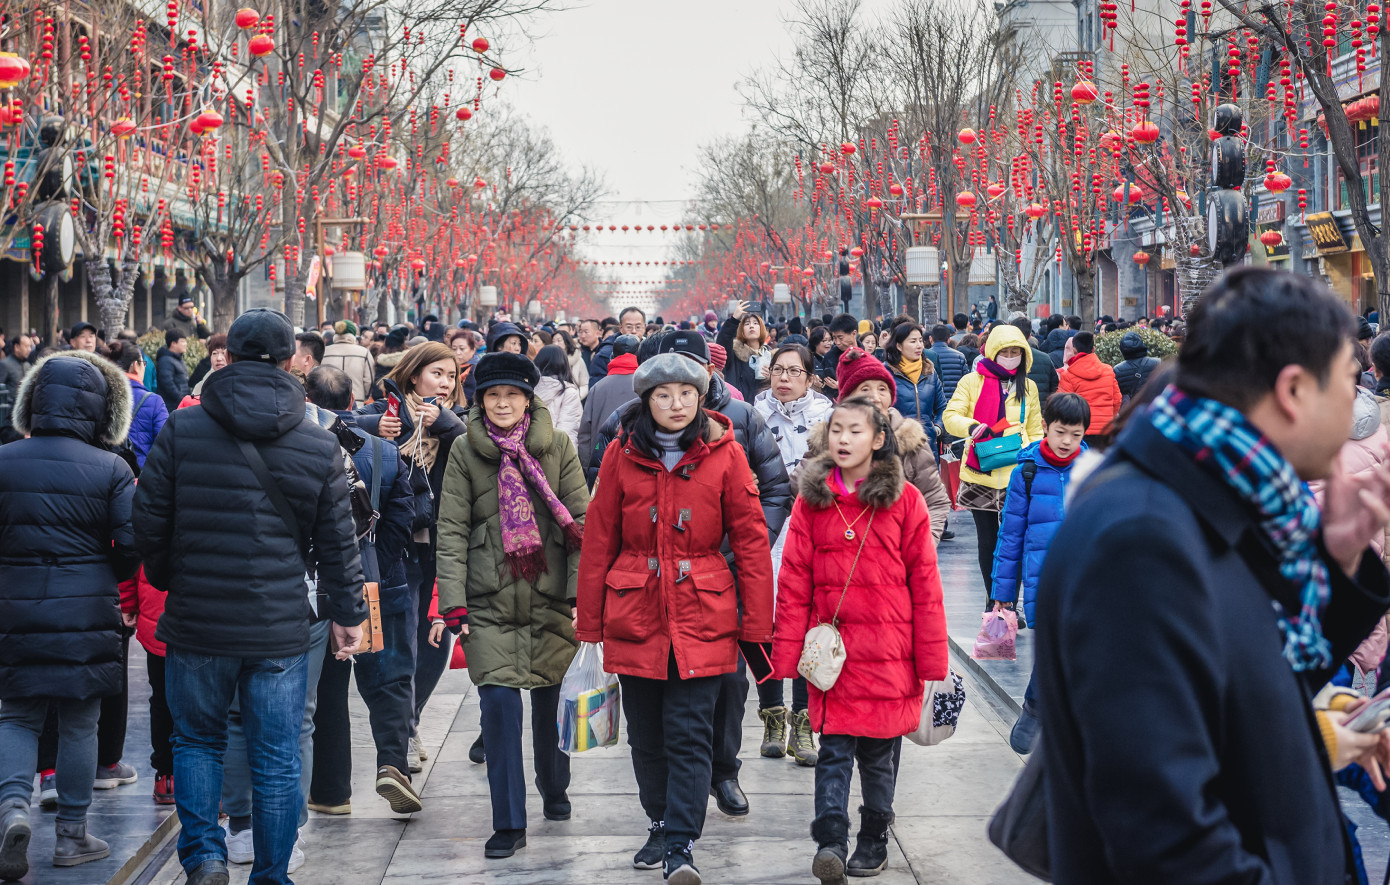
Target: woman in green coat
column 511, row 517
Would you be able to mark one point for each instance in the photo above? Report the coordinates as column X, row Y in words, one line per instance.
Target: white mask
column 1009, row 363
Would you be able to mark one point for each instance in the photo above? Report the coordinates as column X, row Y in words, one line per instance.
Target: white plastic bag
column 589, row 703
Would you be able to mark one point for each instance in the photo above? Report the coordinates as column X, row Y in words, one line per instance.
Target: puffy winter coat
column 564, row 404
column 65, row 532
column 606, row 396
column 1132, row 375
column 1043, row 375
column 892, row 620
column 521, row 634
column 149, row 415
column 1095, row 382
column 918, row 460
column 146, row 601
column 952, row 365
column 791, row 423
column 647, row 590
column 744, row 366
column 1027, row 527
column 209, row 535
column 1025, row 417
column 172, row 374
column 764, row 455
column 599, row 359
column 922, row 402
column 355, row 361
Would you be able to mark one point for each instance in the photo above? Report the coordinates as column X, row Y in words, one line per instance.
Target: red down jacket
column 892, row 621
column 647, row 588
column 138, row 595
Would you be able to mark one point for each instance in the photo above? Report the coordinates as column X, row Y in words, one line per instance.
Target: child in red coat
column 859, row 543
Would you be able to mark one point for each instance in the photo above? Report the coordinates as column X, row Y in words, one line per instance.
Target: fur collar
column 388, row 360
column 115, row 422
column 744, row 353
column 909, row 435
column 881, row 488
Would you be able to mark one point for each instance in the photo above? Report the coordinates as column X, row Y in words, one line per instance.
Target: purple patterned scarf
column 521, row 536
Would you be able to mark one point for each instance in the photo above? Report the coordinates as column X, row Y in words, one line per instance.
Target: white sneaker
column 296, row 854
column 414, row 756
column 240, row 848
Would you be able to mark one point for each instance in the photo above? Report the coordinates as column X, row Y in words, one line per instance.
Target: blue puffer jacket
column 923, row 401
column 1029, row 522
column 148, row 420
column 952, row 364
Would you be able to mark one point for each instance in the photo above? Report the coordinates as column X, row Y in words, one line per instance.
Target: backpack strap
column 135, row 411
column 1030, row 470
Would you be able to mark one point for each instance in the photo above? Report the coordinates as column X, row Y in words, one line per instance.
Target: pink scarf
column 989, row 407
column 521, row 536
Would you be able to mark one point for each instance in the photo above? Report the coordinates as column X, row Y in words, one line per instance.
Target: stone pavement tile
column 962, row 780
column 954, row 850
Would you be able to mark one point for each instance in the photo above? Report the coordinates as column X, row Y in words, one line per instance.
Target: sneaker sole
column 111, row 783
column 415, row 767
column 866, row 873
column 48, row 802
column 401, row 800
column 828, row 868
column 807, row 762
column 14, row 853
column 345, row 808
column 81, row 858
column 505, row 852
column 645, row 865
column 773, row 752
column 685, row 875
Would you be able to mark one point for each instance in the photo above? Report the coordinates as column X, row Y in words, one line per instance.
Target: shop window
column 1367, row 158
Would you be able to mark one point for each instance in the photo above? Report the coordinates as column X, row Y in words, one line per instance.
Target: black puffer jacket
column 65, row 533
column 1134, row 372
column 764, row 456
column 171, row 375
column 210, row 536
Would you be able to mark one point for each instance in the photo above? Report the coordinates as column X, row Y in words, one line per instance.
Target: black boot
column 476, row 754
column 832, row 844
column 871, row 849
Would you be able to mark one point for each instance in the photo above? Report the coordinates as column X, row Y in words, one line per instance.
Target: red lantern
column 1271, row 238
column 480, row 44
column 13, row 70
column 856, row 252
column 965, row 200
column 123, row 127
column 451, row 183
column 196, row 127
column 1136, row 193
column 967, row 136
column 209, row 120
column 873, row 203
column 895, row 189
column 995, row 190
column 497, row 74
column 1277, row 182
column 261, row 45
column 463, row 113
column 847, row 148
column 1084, row 92
column 1035, row 211
column 357, row 152
column 827, row 168
column 1145, row 132
column 478, row 183
column 381, row 251
column 387, row 162
column 247, row 18
column 1141, row 258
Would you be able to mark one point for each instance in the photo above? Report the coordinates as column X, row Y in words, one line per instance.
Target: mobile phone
column 732, row 306
column 393, row 405
column 431, row 400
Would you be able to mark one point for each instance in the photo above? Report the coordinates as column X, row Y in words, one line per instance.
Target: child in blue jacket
column 1033, row 509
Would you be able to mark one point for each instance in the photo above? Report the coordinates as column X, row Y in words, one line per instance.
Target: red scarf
column 623, row 365
column 1057, row 460
column 989, row 406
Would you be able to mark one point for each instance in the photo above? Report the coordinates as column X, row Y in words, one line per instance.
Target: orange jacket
column 1095, row 382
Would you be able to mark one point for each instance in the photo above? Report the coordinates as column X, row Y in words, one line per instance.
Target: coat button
column 692, row 672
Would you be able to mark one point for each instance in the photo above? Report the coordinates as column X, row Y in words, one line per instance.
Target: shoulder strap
column 272, row 491
column 136, row 410
column 376, row 445
column 1030, row 470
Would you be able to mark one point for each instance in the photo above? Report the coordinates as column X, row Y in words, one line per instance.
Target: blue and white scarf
column 1221, row 439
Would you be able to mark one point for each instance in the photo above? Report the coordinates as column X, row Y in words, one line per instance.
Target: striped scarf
column 1220, row 439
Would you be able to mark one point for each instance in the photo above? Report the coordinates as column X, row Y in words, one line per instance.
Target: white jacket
column 791, row 423
column 563, row 402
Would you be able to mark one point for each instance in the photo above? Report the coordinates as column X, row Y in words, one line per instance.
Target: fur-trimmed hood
column 76, row 393
column 881, row 488
column 388, row 360
column 743, row 353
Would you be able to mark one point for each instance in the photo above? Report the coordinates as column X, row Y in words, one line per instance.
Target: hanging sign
column 1327, row 236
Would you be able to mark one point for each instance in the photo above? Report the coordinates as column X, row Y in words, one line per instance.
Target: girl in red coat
column 656, row 591
column 859, row 539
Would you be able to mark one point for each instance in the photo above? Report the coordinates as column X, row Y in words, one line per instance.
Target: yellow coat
column 960, row 411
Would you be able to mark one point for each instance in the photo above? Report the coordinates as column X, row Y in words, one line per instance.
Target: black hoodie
column 209, row 534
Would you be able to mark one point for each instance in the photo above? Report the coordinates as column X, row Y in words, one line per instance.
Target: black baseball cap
column 261, row 335
column 685, row 343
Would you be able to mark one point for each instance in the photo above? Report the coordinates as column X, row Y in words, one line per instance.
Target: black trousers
column 383, row 681
column 502, row 735
column 111, row 727
column 728, row 723
column 430, row 662
column 987, row 537
column 770, row 694
column 878, row 774
column 670, row 728
column 161, row 720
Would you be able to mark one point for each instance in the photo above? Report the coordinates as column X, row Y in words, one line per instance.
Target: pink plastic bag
column 997, row 637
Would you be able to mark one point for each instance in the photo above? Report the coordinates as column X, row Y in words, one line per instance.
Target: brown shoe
column 395, row 788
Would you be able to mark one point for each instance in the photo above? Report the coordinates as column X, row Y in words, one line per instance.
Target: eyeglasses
column 789, row 371
column 667, row 402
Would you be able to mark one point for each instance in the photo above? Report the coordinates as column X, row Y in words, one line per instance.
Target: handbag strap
column 272, row 491
column 835, row 618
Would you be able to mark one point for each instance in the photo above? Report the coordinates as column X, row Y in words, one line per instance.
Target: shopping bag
column 589, row 708
column 949, row 468
column 997, row 637
column 458, row 658
column 941, row 706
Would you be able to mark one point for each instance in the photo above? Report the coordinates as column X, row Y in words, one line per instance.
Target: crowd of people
column 698, row 497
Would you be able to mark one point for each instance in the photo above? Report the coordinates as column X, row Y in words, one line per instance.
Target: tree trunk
column 1085, row 305
column 960, row 287
column 1017, row 296
column 110, row 303
column 1194, row 275
column 929, row 305
column 51, row 321
column 224, row 292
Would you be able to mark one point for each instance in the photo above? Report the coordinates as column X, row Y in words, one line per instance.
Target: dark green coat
column 520, row 634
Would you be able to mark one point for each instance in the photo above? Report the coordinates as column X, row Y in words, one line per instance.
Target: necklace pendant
column 849, row 534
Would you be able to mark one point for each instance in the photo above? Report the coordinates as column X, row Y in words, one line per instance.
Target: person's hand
column 1356, row 508
column 428, row 412
column 436, row 633
column 740, row 308
column 574, row 617
column 1002, row 606
column 390, row 427
column 129, row 619
column 979, row 432
column 348, row 640
column 1370, row 751
column 832, row 383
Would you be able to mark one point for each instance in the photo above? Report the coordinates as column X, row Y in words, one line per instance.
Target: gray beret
column 670, row 368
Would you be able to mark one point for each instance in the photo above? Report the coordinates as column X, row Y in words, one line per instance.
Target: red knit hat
column 856, row 367
column 718, row 355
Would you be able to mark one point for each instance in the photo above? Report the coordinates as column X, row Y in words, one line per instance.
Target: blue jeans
column 878, row 774
column 21, row 721
column 236, row 772
column 199, row 689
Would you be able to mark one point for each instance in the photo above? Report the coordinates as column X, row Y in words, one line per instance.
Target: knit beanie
column 502, row 367
column 670, row 368
column 865, row 327
column 856, row 367
column 718, row 355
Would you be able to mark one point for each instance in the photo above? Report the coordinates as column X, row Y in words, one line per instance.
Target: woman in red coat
column 656, row 591
column 859, row 542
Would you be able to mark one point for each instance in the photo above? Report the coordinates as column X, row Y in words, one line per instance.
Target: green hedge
column 1108, row 345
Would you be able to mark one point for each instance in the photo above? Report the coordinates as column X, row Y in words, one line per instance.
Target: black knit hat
column 500, row 368
column 397, row 336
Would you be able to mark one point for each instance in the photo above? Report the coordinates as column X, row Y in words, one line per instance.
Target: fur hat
column 114, row 423
column 670, row 368
column 345, row 327
column 856, row 367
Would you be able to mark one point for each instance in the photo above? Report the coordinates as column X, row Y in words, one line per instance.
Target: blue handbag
column 1001, row 451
